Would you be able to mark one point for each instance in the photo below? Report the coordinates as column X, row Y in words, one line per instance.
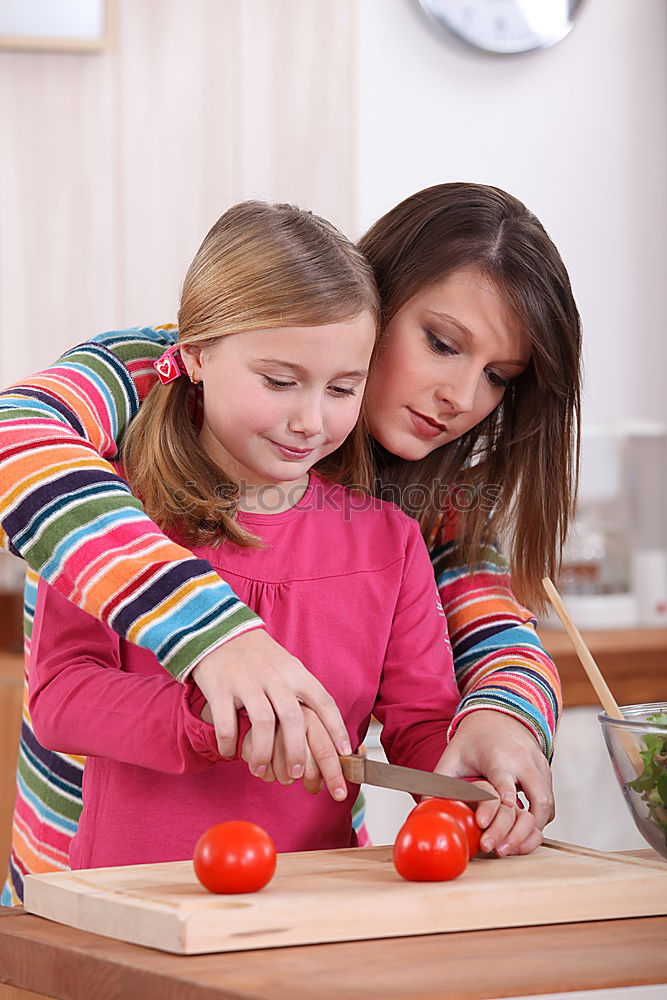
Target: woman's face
column 446, row 358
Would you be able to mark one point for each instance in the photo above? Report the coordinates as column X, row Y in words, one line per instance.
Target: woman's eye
column 339, row 390
column 438, row 345
column 274, row 383
column 497, row 381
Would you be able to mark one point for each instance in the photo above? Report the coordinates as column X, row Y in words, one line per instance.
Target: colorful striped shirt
column 74, row 521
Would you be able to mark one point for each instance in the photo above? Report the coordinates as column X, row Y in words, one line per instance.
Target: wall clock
column 504, row 26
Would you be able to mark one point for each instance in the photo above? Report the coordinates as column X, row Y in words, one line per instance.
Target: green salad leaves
column 652, row 782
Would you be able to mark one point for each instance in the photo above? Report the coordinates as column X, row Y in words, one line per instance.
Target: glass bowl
column 637, row 745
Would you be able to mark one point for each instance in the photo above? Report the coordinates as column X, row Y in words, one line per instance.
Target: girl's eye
column 437, row 345
column 274, row 383
column 497, row 381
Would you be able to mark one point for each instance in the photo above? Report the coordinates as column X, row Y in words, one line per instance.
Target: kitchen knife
column 361, row 770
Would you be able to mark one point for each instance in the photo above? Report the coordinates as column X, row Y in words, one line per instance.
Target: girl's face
column 277, row 401
column 446, row 358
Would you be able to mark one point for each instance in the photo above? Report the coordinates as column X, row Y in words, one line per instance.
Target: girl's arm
column 83, row 702
column 75, row 522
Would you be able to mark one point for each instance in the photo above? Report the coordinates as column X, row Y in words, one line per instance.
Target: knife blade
column 360, row 770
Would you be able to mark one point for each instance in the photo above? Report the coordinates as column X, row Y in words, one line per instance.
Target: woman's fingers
column 254, row 672
column 223, row 717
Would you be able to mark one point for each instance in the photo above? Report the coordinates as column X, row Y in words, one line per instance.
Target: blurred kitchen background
column 118, row 153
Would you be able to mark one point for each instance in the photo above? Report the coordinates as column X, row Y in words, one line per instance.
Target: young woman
column 476, row 383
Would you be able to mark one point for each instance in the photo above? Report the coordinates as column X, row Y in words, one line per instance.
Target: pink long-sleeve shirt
column 345, row 584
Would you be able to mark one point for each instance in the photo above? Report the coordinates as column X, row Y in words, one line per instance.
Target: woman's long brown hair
column 527, row 449
column 261, row 266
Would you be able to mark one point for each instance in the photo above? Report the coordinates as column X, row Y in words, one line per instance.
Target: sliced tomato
column 461, row 812
column 430, row 847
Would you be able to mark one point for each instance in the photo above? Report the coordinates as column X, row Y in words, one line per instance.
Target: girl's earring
column 195, row 381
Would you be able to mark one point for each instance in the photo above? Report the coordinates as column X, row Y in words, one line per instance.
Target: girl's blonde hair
column 260, row 267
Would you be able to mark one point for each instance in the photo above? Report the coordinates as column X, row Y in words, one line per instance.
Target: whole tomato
column 461, row 812
column 236, row 856
column 430, row 847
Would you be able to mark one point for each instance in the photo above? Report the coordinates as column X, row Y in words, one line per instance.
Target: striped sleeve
column 499, row 661
column 75, row 522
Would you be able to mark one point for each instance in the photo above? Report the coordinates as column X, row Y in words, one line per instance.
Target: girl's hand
column 510, row 829
column 322, row 765
column 499, row 748
column 254, row 672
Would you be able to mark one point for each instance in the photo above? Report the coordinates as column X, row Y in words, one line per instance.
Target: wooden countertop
column 47, row 959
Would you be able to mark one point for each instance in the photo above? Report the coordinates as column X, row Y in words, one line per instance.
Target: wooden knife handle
column 353, row 768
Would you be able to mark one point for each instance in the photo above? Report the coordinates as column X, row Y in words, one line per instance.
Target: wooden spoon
column 594, row 673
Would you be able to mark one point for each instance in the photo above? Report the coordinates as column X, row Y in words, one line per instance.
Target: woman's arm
column 504, row 727
column 83, row 702
column 418, row 694
column 498, row 658
column 75, row 522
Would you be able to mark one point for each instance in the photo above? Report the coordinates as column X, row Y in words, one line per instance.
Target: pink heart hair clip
column 170, row 365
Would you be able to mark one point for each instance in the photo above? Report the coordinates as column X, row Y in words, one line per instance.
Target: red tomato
column 461, row 812
column 430, row 847
column 234, row 857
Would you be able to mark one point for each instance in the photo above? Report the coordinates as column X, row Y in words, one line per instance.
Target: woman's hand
column 322, row 766
column 494, row 746
column 254, row 672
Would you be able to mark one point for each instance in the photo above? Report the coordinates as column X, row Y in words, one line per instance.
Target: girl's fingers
column 325, row 756
column 262, row 722
column 317, row 698
column 522, row 828
column 499, row 828
column 278, row 764
column 269, row 775
column 502, row 784
column 313, row 781
column 531, row 843
column 246, row 755
column 536, row 785
column 290, row 735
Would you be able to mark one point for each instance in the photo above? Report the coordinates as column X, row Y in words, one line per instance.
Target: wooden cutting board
column 347, row 895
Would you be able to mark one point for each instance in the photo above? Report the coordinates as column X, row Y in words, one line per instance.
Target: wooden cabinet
column 11, row 698
column 633, row 661
column 39, row 958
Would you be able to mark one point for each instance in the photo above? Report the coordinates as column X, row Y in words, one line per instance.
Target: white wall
column 578, row 132
column 113, row 166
